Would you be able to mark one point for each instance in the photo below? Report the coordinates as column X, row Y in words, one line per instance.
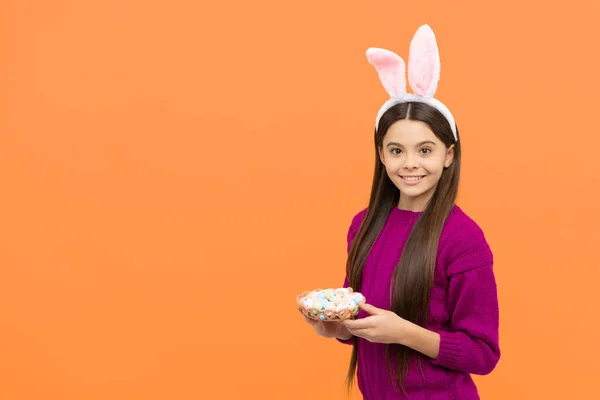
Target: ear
column 449, row 157
column 424, row 62
column 381, row 156
column 391, row 70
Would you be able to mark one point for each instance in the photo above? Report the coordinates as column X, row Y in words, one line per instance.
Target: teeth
column 411, row 178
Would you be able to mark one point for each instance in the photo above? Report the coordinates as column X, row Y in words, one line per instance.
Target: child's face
column 414, row 159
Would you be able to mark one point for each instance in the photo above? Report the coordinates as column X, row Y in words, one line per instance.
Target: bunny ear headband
column 423, row 74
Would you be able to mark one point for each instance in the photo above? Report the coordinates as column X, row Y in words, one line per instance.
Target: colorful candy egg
column 358, row 298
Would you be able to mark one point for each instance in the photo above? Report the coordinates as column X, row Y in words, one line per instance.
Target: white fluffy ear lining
column 391, row 70
column 424, row 63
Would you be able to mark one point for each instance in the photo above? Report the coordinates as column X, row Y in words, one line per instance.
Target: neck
column 413, row 204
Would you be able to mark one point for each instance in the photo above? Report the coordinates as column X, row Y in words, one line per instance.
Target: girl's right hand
column 329, row 329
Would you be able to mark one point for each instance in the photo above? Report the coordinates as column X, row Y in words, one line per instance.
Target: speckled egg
column 358, row 298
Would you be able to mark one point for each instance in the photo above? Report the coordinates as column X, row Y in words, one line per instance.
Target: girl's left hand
column 381, row 326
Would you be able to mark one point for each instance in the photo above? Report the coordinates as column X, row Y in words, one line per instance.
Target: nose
column 410, row 162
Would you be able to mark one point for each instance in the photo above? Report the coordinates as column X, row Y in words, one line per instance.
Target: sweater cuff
column 349, row 341
column 449, row 355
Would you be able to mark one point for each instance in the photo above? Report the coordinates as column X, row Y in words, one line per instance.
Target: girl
column 423, row 265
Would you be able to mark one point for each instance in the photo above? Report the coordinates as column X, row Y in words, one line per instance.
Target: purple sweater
column 464, row 310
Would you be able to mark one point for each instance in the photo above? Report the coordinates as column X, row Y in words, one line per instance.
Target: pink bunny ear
column 424, row 62
column 391, row 70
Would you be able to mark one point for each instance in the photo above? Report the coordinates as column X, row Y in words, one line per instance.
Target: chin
column 412, row 194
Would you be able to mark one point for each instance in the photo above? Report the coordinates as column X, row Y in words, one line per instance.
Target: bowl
column 332, row 304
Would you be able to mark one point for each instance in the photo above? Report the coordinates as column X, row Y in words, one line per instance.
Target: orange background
column 173, row 173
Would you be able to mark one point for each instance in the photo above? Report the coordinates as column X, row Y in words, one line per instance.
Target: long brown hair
column 411, row 283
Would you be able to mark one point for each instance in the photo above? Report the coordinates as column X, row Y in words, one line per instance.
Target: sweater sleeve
column 352, row 231
column 470, row 343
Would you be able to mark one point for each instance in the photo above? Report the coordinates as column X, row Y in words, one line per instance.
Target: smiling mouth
column 412, row 178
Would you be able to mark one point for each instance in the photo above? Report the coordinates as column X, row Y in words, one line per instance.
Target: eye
column 425, row 150
column 396, row 151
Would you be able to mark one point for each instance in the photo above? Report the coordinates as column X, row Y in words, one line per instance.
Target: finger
column 372, row 310
column 309, row 320
column 363, row 333
column 362, row 323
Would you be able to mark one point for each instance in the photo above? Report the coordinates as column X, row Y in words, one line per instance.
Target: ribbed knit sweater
column 463, row 310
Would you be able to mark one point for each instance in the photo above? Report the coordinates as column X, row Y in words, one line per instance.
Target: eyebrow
column 417, row 145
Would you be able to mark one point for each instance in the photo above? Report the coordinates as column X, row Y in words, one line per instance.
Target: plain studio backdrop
column 174, row 173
